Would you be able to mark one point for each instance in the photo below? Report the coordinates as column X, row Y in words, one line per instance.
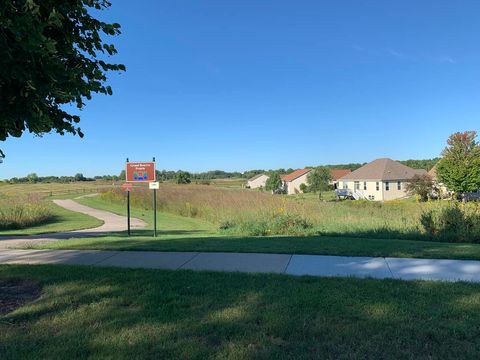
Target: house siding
column 258, row 182
column 378, row 195
column 295, row 184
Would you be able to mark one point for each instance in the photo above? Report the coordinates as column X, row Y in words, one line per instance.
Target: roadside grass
column 87, row 312
column 62, row 220
column 178, row 233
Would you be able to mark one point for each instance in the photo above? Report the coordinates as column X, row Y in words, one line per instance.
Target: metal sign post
column 154, row 212
column 154, row 186
column 128, row 211
column 127, row 188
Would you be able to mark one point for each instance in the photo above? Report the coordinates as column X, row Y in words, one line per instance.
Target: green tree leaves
column 274, row 182
column 51, row 54
column 459, row 168
column 318, row 179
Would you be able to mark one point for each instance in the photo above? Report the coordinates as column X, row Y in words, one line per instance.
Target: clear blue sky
column 238, row 85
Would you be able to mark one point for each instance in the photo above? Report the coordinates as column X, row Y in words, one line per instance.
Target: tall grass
column 21, row 212
column 257, row 213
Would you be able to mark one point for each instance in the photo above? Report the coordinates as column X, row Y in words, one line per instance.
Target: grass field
column 88, row 312
column 247, row 212
column 60, row 220
column 55, row 189
column 178, row 233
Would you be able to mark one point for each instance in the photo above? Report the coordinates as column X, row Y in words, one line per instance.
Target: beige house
column 292, row 181
column 380, row 180
column 258, row 181
column 336, row 174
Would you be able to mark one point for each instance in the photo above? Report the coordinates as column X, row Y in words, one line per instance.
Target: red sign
column 127, row 187
column 140, row 171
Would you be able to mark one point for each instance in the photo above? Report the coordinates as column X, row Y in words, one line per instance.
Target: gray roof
column 385, row 170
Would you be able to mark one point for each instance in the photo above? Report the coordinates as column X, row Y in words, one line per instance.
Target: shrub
column 282, row 224
column 453, row 223
column 23, row 212
column 303, row 188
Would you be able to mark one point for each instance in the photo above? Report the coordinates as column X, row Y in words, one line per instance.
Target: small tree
column 79, row 177
column 303, row 188
column 274, row 182
column 421, row 186
column 183, row 177
column 459, row 168
column 318, row 180
column 32, row 178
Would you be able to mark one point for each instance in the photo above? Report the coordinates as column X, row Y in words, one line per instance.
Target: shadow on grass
column 118, row 313
column 322, row 245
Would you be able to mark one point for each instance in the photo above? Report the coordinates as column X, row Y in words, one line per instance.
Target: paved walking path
column 315, row 265
column 111, row 223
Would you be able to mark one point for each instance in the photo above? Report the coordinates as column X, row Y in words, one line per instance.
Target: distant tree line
column 33, row 178
column 427, row 164
column 169, row 175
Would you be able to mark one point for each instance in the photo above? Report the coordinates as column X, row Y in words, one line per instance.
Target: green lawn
column 88, row 312
column 177, row 233
column 63, row 220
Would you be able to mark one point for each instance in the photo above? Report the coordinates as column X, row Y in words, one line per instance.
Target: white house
column 258, row 181
column 292, row 181
column 380, row 180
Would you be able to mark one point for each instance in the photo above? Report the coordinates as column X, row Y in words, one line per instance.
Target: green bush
column 283, row 224
column 453, row 223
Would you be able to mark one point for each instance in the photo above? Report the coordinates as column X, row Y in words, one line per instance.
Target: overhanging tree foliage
column 459, row 168
column 51, row 55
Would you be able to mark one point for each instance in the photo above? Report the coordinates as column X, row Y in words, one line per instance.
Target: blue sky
column 238, row 85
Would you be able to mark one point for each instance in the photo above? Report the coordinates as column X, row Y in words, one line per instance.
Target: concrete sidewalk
column 314, row 265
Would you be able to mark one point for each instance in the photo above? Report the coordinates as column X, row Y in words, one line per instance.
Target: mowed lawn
column 177, row 233
column 86, row 312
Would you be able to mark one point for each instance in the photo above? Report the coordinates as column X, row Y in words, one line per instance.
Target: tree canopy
column 459, row 168
column 51, row 55
column 318, row 179
column 183, row 177
column 274, row 182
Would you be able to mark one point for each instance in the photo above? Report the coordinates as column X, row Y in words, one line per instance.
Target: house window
column 365, row 185
column 387, row 186
column 378, row 186
column 356, row 185
column 371, row 197
column 345, row 185
column 399, row 185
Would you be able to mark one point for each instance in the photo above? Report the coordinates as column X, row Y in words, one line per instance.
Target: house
column 292, row 181
column 258, row 181
column 337, row 174
column 380, row 180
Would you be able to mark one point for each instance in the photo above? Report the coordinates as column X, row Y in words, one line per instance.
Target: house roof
column 384, row 169
column 295, row 175
column 339, row 173
column 256, row 177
